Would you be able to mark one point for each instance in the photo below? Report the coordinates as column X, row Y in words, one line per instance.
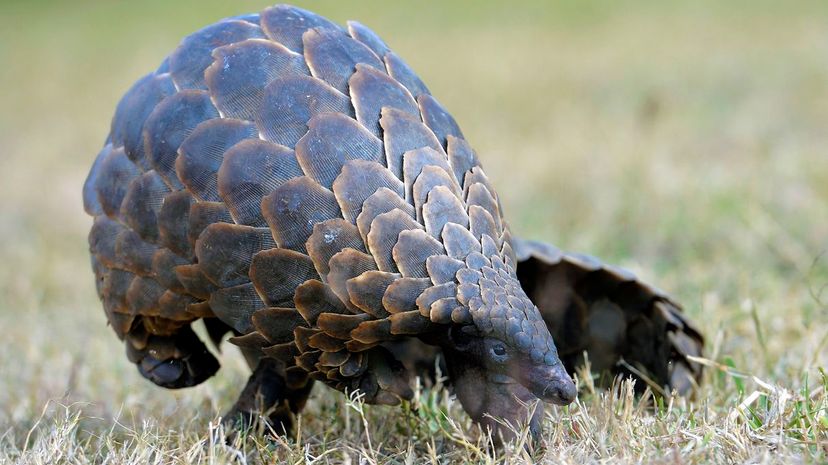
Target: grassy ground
column 685, row 141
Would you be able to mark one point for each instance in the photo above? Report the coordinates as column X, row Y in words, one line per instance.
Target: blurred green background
column 685, row 140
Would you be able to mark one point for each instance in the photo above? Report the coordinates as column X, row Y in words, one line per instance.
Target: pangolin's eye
column 499, row 350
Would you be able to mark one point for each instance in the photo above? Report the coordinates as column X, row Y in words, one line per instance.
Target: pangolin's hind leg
column 270, row 397
column 172, row 359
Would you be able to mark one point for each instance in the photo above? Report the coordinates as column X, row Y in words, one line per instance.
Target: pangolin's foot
column 173, row 362
column 267, row 403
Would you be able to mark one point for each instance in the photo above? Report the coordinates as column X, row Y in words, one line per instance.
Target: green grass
column 686, row 141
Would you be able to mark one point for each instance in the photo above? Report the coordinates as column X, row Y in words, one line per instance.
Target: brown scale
column 295, row 183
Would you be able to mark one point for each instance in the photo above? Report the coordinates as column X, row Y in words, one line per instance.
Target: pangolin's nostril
column 558, row 387
column 564, row 390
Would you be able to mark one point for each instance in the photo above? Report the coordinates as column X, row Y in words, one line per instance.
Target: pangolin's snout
column 551, row 384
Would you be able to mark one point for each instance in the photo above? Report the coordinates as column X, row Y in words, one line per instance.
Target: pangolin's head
column 504, row 358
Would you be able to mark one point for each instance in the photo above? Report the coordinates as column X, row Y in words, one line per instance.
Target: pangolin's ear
column 463, row 338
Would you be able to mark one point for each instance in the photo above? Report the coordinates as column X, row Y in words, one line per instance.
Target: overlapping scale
column 402, row 294
column 252, row 169
column 173, row 221
column 277, row 324
column 373, row 331
column 286, row 24
column 411, row 251
column 201, row 309
column 277, row 273
column 478, row 194
column 332, row 56
column 442, row 268
column 368, row 37
column 413, row 163
column 236, row 305
column 102, row 237
column 433, row 294
column 458, row 241
column 359, row 180
column 194, row 281
column 442, row 207
column 382, row 201
column 400, row 71
column 173, row 306
column 329, row 238
column 385, row 231
column 431, row 177
column 489, row 247
column 203, row 214
column 133, row 254
column 115, row 286
column 284, row 352
column 372, row 90
column 253, row 341
column 403, row 132
column 482, row 222
column 293, row 208
column 142, row 202
column 461, row 157
column 332, row 140
column 91, row 204
column 340, row 325
column 134, row 109
column 164, row 262
column 367, row 290
column 326, row 342
column 188, row 62
column 410, row 323
column 142, row 296
column 169, row 124
column 474, row 176
column 241, row 71
column 202, row 152
column 345, row 265
column 438, row 119
column 114, row 175
column 225, row 251
column 289, row 104
column 313, row 298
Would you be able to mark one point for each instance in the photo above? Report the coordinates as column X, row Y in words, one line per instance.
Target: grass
column 685, row 141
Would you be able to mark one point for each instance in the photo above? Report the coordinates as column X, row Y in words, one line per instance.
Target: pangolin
column 294, row 182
